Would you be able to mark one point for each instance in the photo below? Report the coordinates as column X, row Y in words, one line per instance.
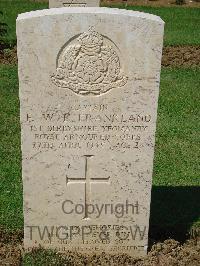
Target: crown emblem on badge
column 89, row 66
column 90, row 38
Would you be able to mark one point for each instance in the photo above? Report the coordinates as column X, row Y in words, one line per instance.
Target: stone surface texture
column 89, row 86
column 73, row 3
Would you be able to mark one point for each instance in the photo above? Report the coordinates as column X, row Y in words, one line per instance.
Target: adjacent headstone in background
column 89, row 85
column 73, row 3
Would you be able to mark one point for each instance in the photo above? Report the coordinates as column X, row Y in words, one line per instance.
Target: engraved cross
column 86, row 180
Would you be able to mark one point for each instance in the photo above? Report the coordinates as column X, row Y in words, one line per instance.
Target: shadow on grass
column 173, row 212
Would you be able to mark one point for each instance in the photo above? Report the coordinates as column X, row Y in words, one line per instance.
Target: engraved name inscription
column 74, row 3
column 75, row 130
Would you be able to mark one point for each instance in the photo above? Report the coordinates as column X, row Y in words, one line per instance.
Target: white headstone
column 89, row 85
column 73, row 3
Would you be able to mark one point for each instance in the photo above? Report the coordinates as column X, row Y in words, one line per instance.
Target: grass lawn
column 10, row 154
column 181, row 28
column 175, row 193
column 10, row 11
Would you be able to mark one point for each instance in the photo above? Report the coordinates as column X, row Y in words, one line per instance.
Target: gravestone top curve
column 85, row 10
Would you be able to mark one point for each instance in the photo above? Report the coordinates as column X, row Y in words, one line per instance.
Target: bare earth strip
column 186, row 56
column 168, row 253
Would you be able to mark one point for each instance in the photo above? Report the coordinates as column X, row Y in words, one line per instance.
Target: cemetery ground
column 175, row 201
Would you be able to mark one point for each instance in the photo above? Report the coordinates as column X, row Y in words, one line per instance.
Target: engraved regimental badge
column 89, row 65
